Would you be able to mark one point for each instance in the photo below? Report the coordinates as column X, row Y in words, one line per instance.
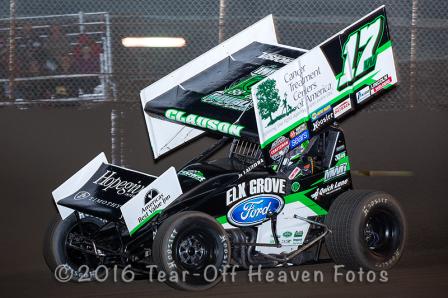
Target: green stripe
column 318, row 182
column 300, row 197
column 222, row 219
column 344, row 160
column 143, row 222
column 388, row 86
column 384, row 47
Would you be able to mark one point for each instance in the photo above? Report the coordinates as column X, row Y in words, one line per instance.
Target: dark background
column 405, row 130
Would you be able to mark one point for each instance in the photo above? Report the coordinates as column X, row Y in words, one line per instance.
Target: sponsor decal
column 295, row 186
column 380, row 84
column 255, row 186
column 203, row 122
column 223, row 100
column 238, row 95
column 108, row 186
column 302, row 127
column 326, row 190
column 340, row 148
column 151, row 200
column 289, row 238
column 81, row 195
column 151, row 194
column 281, row 240
column 298, row 234
column 96, row 200
column 250, row 168
column 294, row 173
column 367, row 91
column 298, row 237
column 193, row 174
column 363, row 94
column 320, row 113
column 254, row 210
column 334, row 172
column 299, row 139
column 264, row 70
column 287, row 234
column 110, row 180
column 274, row 106
column 339, row 156
column 279, row 148
column 319, row 123
column 276, row 58
column 342, row 108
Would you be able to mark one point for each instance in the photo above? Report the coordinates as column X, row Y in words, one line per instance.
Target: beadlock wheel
column 368, row 230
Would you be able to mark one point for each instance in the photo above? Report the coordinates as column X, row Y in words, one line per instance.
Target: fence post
column 81, row 22
column 221, row 25
column 12, row 48
column 413, row 56
column 108, row 55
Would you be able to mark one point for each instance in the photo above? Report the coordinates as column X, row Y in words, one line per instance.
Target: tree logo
column 269, row 102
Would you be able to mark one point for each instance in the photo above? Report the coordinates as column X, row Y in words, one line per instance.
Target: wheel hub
column 371, row 236
column 381, row 233
column 191, row 251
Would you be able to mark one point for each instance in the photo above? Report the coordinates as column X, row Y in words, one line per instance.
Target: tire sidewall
column 369, row 204
column 55, row 252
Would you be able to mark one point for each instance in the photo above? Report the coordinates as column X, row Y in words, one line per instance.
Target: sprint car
column 283, row 193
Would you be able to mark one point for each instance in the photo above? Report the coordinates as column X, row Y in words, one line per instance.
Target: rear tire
column 191, row 245
column 67, row 261
column 368, row 230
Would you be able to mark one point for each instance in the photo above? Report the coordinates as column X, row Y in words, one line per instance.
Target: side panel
column 75, row 182
column 325, row 84
column 305, row 187
column 99, row 189
column 151, row 200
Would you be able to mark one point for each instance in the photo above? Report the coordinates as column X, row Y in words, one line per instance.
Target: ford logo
column 254, row 210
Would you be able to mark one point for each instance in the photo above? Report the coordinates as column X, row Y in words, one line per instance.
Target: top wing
column 177, row 88
column 219, row 98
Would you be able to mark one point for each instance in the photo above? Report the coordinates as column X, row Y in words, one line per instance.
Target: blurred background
column 60, row 53
column 69, row 89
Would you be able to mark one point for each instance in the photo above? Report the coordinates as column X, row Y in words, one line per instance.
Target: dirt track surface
column 42, row 146
column 38, row 154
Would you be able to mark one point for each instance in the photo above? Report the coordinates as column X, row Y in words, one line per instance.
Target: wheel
column 59, row 255
column 368, row 230
column 192, row 247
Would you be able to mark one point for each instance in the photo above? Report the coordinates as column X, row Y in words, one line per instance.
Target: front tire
column 193, row 247
column 368, row 230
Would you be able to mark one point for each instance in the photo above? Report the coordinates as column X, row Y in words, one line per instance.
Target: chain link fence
column 70, row 53
column 56, row 57
column 72, row 50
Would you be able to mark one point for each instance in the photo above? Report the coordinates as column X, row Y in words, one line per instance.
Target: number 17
column 359, row 52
